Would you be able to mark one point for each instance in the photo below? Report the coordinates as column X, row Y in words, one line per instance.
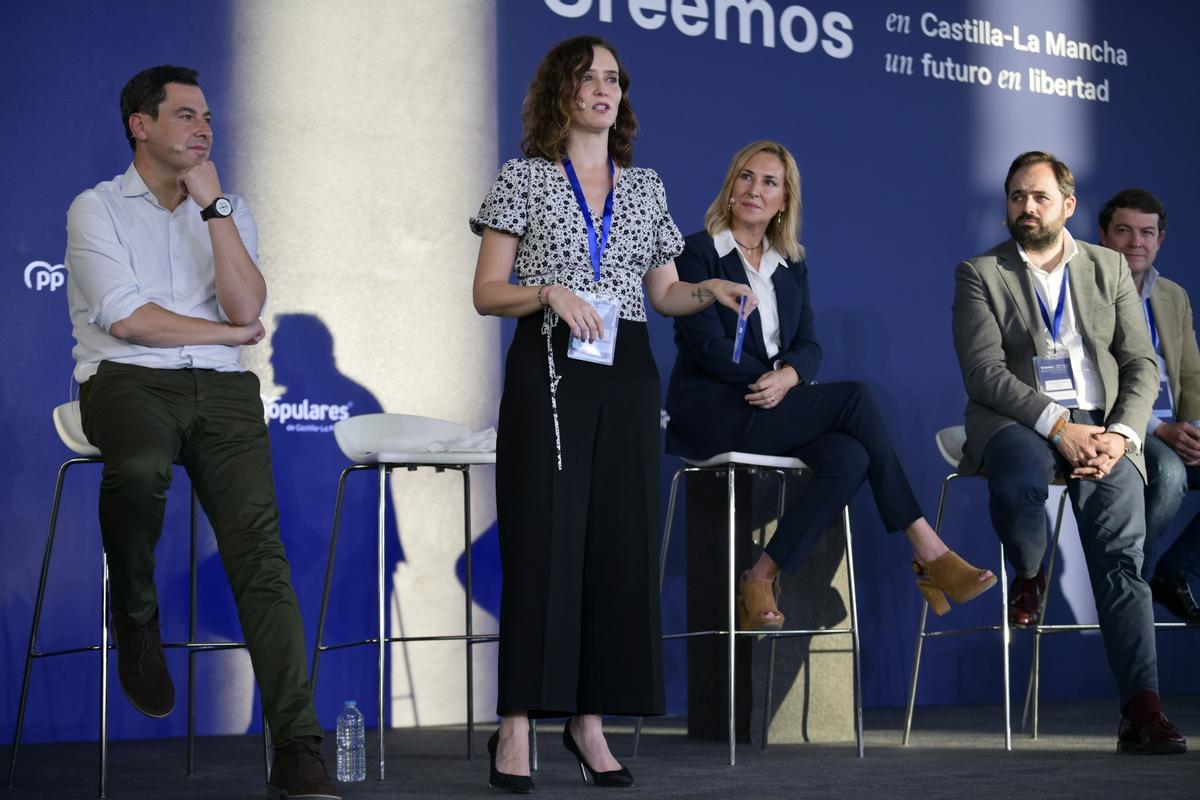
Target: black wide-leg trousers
column 837, row 430
column 579, row 613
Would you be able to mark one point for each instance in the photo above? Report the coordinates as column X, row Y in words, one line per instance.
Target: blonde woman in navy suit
column 769, row 402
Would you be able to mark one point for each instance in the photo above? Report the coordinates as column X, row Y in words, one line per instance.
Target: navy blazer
column 706, row 397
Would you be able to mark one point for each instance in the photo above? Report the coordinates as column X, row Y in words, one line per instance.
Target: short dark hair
column 144, row 92
column 1138, row 199
column 546, row 114
column 1062, row 173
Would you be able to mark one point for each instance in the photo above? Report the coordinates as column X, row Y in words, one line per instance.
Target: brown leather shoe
column 142, row 667
column 1025, row 599
column 1156, row 737
column 298, row 772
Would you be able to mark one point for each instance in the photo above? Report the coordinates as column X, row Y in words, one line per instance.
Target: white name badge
column 603, row 349
column 1055, row 379
column 1162, row 404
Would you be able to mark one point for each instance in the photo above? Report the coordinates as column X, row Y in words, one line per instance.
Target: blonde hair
column 783, row 234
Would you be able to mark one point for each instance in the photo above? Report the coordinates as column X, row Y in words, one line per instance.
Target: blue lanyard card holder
column 1055, row 380
column 604, row 349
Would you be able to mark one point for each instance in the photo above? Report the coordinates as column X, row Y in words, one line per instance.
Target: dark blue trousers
column 837, row 430
column 1168, row 481
column 1111, row 518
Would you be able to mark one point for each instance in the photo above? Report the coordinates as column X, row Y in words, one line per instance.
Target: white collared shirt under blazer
column 760, row 282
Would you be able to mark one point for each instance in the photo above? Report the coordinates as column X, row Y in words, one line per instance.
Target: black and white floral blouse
column 532, row 199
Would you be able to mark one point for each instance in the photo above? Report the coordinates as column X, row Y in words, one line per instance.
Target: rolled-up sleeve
column 99, row 263
column 247, row 228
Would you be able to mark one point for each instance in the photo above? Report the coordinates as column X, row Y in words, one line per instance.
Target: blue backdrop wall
column 902, row 169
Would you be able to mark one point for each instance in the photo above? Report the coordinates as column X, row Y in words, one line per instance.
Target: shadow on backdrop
column 307, row 464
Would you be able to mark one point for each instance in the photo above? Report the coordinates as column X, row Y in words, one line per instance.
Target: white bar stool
column 380, row 443
column 950, row 443
column 68, row 424
column 729, row 464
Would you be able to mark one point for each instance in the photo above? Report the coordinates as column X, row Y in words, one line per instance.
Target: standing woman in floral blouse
column 577, row 466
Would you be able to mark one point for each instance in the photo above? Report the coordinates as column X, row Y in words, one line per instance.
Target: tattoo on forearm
column 702, row 295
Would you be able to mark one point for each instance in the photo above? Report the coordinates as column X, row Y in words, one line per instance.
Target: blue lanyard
column 1058, row 312
column 596, row 244
column 1151, row 323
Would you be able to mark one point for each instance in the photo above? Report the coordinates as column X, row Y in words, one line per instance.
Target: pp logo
column 41, row 275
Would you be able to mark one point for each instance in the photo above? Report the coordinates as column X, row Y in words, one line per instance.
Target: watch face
column 223, row 207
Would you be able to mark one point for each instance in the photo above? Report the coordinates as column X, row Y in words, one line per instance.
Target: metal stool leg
column 732, row 613
column 333, row 539
column 533, row 749
column 466, row 475
column 1007, row 640
column 104, row 681
column 267, row 746
column 855, row 644
column 770, row 690
column 37, row 618
column 1031, row 692
column 920, row 645
column 191, row 653
column 383, row 473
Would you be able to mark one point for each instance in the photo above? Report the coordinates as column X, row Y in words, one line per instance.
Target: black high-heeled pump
column 613, row 778
column 517, row 784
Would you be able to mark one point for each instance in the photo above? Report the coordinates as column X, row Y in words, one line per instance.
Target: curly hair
column 546, row 112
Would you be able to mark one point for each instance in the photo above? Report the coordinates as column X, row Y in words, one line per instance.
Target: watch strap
column 210, row 211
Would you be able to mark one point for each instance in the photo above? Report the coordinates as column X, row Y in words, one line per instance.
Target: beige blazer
column 998, row 331
column 1177, row 337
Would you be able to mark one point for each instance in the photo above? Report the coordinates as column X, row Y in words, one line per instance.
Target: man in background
column 1134, row 223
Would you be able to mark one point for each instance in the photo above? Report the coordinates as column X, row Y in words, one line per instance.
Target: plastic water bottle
column 351, row 745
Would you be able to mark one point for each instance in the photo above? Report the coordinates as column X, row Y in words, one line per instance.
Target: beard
column 1036, row 238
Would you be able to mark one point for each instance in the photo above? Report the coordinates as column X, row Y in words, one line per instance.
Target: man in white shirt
column 163, row 291
column 1134, row 223
column 1060, row 377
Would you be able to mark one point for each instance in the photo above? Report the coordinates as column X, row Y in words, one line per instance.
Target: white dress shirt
column 760, row 282
column 125, row 250
column 1089, row 387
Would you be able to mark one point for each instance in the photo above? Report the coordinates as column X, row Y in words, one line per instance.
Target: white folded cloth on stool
column 483, row 441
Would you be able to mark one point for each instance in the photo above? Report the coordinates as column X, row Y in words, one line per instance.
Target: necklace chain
column 748, row 247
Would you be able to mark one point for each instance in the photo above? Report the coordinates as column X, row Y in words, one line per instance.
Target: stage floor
column 956, row 752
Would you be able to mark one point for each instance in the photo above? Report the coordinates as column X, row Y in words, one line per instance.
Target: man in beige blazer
column 1060, row 376
column 1134, row 223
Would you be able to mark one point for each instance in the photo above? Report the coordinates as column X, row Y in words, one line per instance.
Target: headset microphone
column 176, row 148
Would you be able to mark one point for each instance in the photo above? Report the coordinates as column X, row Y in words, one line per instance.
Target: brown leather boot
column 298, row 772
column 142, row 667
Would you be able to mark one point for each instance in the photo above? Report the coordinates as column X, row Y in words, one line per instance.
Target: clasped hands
column 1091, row 451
